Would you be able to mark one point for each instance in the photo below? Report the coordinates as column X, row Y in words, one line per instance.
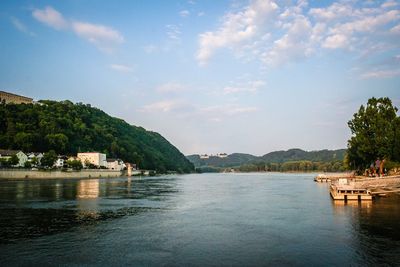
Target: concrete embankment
column 55, row 174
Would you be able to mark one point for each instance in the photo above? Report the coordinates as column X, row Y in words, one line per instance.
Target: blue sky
column 210, row 76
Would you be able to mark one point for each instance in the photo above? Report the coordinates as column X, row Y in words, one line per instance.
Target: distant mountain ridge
column 295, row 154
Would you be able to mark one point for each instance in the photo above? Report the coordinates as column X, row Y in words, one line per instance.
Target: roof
column 7, row 152
column 4, row 92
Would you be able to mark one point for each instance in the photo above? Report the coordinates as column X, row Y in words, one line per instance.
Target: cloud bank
column 103, row 37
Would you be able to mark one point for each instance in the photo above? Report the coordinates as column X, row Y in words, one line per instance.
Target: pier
column 364, row 188
column 331, row 177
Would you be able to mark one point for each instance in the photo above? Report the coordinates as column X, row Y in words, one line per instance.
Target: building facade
column 95, row 158
column 115, row 164
column 22, row 158
column 15, row 99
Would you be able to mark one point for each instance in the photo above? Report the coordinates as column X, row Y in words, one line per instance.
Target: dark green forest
column 68, row 128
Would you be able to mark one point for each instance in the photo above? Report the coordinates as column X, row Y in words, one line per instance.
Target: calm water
column 209, row 219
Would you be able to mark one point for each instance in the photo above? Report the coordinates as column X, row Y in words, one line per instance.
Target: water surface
column 209, row 219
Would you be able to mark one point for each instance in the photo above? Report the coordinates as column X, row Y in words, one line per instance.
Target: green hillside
column 290, row 160
column 69, row 128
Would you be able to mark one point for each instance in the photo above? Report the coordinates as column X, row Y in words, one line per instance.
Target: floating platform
column 348, row 192
column 330, row 177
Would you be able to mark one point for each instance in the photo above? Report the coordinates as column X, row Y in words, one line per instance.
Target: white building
column 95, row 158
column 60, row 161
column 7, row 154
column 205, row 156
column 115, row 164
column 222, row 155
column 36, row 155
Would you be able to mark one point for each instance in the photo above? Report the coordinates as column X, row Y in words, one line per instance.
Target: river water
column 199, row 220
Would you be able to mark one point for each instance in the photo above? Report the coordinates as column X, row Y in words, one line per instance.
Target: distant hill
column 278, row 157
column 298, row 154
column 69, row 128
column 234, row 159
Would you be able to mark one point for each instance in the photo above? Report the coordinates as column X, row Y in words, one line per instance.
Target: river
column 268, row 219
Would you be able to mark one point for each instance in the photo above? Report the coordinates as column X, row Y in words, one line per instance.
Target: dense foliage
column 69, row 128
column 290, row 160
column 375, row 132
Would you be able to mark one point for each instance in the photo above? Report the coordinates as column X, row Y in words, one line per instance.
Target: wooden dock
column 348, row 192
column 331, row 177
column 362, row 189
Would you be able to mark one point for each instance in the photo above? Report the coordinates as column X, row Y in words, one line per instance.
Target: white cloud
column 51, row 17
column 395, row 29
column 103, row 37
column 380, row 74
column 236, row 28
column 21, row 27
column 336, row 41
column 248, row 87
column 294, row 45
column 335, row 11
column 219, row 111
column 389, row 4
column 200, row 14
column 150, row 49
column 184, row 13
column 173, row 32
column 121, row 68
column 291, row 32
column 171, row 105
column 170, row 87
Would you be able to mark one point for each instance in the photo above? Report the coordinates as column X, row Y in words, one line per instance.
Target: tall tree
column 374, row 133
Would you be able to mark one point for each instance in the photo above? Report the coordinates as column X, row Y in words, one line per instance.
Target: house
column 7, row 154
column 36, row 155
column 95, row 158
column 222, row 155
column 115, row 164
column 205, row 156
column 13, row 98
column 61, row 160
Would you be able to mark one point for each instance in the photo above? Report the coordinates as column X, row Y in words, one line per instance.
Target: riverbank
column 57, row 174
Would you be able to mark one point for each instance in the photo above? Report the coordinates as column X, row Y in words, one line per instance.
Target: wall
column 21, row 174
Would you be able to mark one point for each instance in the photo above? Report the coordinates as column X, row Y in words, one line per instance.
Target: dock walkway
column 364, row 188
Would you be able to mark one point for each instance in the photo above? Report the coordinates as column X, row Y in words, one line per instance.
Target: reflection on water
column 209, row 219
column 33, row 208
column 375, row 228
column 88, row 189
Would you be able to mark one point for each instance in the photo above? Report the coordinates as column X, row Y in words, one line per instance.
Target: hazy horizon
column 229, row 76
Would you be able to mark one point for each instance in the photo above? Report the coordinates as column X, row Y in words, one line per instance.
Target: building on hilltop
column 95, row 158
column 222, row 155
column 15, row 99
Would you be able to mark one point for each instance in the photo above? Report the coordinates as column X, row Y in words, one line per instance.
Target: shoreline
column 57, row 174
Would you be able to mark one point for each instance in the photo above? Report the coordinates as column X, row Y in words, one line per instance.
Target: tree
column 49, row 158
column 75, row 164
column 57, row 141
column 13, row 160
column 374, row 133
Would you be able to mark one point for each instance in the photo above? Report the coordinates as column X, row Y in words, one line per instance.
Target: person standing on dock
column 382, row 163
column 377, row 166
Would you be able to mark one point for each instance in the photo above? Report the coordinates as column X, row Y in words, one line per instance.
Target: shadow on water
column 374, row 225
column 34, row 208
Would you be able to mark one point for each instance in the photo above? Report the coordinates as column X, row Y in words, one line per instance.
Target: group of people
column 376, row 168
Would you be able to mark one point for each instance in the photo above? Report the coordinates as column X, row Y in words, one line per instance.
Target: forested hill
column 69, row 128
column 238, row 159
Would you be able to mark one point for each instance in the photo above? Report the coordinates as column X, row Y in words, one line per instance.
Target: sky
column 210, row 76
